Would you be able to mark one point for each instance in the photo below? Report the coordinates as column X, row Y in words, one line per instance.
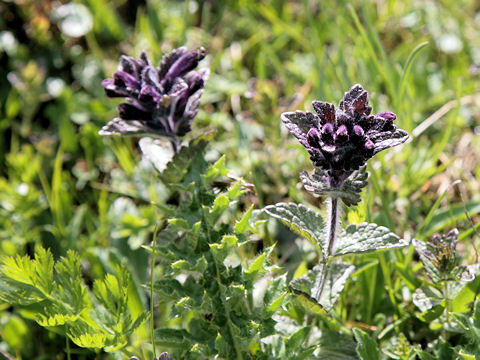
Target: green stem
column 152, row 276
column 69, row 356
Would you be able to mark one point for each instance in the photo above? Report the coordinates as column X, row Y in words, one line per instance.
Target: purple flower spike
column 345, row 137
column 162, row 101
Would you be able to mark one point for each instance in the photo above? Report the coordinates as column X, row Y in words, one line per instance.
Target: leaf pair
column 324, row 283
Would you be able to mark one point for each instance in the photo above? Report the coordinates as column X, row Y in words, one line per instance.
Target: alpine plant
column 161, row 101
column 341, row 140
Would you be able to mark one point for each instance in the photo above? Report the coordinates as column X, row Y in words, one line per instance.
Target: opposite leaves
column 355, row 239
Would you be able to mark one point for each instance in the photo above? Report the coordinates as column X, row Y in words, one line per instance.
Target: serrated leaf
column 72, row 290
column 302, row 220
column 366, row 237
column 178, row 167
column 220, row 251
column 219, row 205
column 43, row 265
column 235, row 191
column 174, row 338
column 241, row 226
column 216, row 171
column 84, row 335
column 334, row 345
column 367, row 348
column 323, row 289
column 349, row 192
column 256, row 264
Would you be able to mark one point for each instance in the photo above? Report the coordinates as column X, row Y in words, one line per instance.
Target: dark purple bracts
column 341, row 140
column 162, row 101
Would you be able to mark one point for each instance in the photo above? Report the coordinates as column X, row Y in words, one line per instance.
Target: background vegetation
column 65, row 188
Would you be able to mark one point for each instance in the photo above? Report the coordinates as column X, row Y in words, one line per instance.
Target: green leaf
column 72, row 290
column 43, row 265
column 367, row 348
column 174, row 338
column 302, row 220
column 220, row 251
column 84, row 335
column 219, row 206
column 256, row 264
column 427, row 297
column 297, row 339
column 179, row 225
column 334, row 345
column 178, row 167
column 216, row 171
column 241, row 226
column 16, row 333
column 366, row 237
column 326, row 295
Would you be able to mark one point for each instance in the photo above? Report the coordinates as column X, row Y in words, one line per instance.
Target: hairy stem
column 333, row 216
column 446, row 295
column 152, row 276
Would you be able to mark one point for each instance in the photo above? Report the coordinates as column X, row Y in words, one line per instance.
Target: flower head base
column 341, row 140
column 440, row 259
column 162, row 101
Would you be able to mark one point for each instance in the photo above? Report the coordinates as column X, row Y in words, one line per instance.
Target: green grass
column 65, row 188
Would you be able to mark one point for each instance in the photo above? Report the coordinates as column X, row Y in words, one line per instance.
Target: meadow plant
column 339, row 142
column 162, row 101
column 212, row 297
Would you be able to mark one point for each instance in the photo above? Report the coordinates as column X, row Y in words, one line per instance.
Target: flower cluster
column 341, row 140
column 440, row 259
column 162, row 101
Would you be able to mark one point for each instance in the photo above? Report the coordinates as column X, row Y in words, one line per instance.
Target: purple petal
column 186, row 63
column 328, row 133
column 169, row 59
column 341, row 136
column 124, row 79
column 130, row 112
column 149, row 94
column 358, row 131
column 313, row 138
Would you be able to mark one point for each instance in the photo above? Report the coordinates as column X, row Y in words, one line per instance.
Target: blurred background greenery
column 64, row 187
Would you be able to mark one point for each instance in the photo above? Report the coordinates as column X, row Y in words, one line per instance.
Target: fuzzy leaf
column 157, row 151
column 366, row 237
column 427, row 297
column 349, row 192
column 302, row 220
column 367, row 348
column 178, row 167
column 326, row 296
column 334, row 345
